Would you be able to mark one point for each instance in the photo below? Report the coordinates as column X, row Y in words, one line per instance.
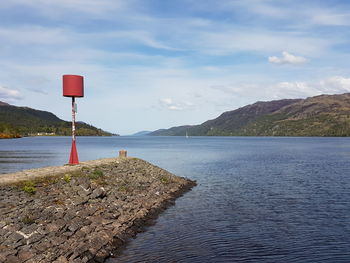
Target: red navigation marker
column 73, row 86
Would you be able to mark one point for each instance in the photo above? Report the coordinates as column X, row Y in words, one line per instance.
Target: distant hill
column 324, row 115
column 23, row 121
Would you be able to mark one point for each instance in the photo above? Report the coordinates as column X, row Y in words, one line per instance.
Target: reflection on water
column 257, row 199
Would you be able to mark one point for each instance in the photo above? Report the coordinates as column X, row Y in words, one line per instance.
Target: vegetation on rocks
column 67, row 178
column 29, row 188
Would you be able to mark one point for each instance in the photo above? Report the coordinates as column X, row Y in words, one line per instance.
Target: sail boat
column 186, row 135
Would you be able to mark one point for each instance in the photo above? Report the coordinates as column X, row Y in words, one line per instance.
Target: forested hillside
column 23, row 121
column 324, row 115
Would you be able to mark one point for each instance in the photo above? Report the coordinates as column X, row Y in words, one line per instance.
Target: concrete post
column 122, row 154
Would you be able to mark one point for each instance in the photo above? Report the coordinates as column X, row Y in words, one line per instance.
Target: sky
column 151, row 64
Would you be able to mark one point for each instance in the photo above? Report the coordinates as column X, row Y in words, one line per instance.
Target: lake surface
column 258, row 199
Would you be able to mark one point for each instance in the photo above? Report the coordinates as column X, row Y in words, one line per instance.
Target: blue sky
column 151, row 64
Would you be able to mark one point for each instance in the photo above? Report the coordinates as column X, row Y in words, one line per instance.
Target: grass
column 165, row 180
column 124, row 188
column 29, row 188
column 67, row 178
column 98, row 176
column 97, row 173
column 27, row 220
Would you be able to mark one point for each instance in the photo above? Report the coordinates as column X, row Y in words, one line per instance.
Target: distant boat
column 186, row 135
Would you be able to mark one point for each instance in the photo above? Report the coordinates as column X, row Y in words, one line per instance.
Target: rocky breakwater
column 81, row 213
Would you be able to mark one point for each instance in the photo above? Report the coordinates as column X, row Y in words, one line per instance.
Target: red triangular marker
column 73, row 154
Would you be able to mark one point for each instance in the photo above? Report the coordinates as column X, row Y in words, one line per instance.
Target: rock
column 58, row 240
column 98, row 193
column 52, row 227
column 42, row 246
column 34, row 238
column 74, row 227
column 15, row 237
column 80, row 200
column 24, row 255
column 61, row 259
column 82, row 220
column 12, row 259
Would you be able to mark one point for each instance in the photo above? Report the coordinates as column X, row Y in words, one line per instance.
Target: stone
column 81, row 248
column 57, row 240
column 80, row 199
column 24, row 255
column 14, row 237
column 98, row 193
column 34, row 238
column 42, row 246
column 82, row 220
column 53, row 227
column 73, row 227
column 12, row 259
column 61, row 259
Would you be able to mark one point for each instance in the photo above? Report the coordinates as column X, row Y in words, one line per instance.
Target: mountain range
column 324, row 115
column 23, row 121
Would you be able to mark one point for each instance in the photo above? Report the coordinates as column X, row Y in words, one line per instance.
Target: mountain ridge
column 322, row 115
column 18, row 121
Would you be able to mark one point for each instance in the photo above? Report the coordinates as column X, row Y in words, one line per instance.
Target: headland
column 81, row 213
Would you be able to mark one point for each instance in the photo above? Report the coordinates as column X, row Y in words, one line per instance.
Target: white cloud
column 166, row 101
column 284, row 90
column 231, row 40
column 330, row 18
column 294, row 12
column 335, row 84
column 293, row 89
column 8, row 94
column 169, row 104
column 287, row 58
column 28, row 35
column 135, row 36
column 67, row 7
column 330, row 85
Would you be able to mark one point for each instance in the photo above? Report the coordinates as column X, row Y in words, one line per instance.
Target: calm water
column 257, row 199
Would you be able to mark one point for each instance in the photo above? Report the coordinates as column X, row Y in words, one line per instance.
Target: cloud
column 38, row 91
column 54, row 8
column 284, row 89
column 136, row 36
column 330, row 18
column 294, row 13
column 161, row 57
column 169, row 104
column 330, row 85
column 9, row 94
column 226, row 39
column 335, row 84
column 287, row 58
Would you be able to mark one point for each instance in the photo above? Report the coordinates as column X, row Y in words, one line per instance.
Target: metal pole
column 73, row 154
column 73, row 119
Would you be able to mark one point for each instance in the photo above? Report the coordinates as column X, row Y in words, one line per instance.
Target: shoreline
column 82, row 213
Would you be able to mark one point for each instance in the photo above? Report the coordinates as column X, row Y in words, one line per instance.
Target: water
column 257, row 199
